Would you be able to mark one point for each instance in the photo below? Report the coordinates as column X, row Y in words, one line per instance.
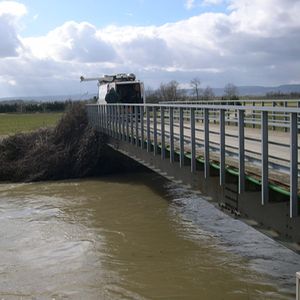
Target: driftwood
column 71, row 150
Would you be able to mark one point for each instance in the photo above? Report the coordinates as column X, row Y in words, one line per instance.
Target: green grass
column 16, row 123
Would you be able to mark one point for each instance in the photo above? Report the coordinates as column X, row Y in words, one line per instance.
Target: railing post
column 148, row 129
column 154, row 130
column 273, row 115
column 298, row 286
column 171, row 121
column 102, row 118
column 131, row 125
column 127, row 123
column 114, row 121
column 206, row 143
column 222, row 147
column 265, row 161
column 162, row 123
column 136, row 109
column 98, row 118
column 241, row 151
column 253, row 115
column 122, row 108
column 104, row 111
column 294, row 165
column 193, row 141
column 285, row 117
column 120, row 135
column 181, row 137
column 142, row 125
column 109, row 120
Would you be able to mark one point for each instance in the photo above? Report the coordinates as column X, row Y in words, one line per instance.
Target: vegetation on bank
column 17, row 123
column 72, row 149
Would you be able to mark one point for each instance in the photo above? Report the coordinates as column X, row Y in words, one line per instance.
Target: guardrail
column 218, row 135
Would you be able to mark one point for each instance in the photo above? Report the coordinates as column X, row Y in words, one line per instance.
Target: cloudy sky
column 46, row 45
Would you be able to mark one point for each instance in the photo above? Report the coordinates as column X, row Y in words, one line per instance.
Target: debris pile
column 73, row 149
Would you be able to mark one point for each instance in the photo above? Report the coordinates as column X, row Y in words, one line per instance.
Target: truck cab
column 125, row 86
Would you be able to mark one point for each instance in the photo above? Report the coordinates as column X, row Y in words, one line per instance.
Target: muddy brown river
column 132, row 237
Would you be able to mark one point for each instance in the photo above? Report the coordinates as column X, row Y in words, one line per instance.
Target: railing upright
column 193, row 142
column 294, row 165
column 286, row 118
column 120, row 123
column 298, row 286
column 131, row 125
column 253, row 115
column 136, row 108
column 109, row 121
column 171, row 121
column 181, row 137
column 162, row 123
column 114, row 121
column 222, row 147
column 273, row 115
column 104, row 111
column 102, row 118
column 154, row 131
column 98, row 119
column 265, row 161
column 142, row 125
column 241, row 123
column 148, row 129
column 206, row 143
column 127, row 123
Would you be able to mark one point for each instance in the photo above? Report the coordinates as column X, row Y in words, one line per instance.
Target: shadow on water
column 118, row 238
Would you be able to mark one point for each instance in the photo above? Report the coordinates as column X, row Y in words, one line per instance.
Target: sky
column 45, row 46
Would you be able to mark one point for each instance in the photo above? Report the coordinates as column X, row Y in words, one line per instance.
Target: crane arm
column 91, row 79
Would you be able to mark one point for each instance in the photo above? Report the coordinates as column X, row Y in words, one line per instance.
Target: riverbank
column 72, row 149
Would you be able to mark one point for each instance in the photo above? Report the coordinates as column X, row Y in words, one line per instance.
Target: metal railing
column 217, row 135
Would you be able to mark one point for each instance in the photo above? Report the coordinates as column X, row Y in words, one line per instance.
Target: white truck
column 124, row 88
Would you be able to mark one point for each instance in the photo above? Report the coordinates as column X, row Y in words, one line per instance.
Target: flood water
column 132, row 237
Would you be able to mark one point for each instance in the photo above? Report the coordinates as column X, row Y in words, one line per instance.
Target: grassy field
column 16, row 123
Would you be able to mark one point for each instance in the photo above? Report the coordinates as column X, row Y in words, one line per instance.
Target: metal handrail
column 138, row 124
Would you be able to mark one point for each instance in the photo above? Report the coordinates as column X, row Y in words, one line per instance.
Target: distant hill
column 53, row 98
column 261, row 90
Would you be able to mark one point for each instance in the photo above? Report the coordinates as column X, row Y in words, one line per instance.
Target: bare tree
column 169, row 91
column 195, row 83
column 208, row 93
column 152, row 96
column 231, row 92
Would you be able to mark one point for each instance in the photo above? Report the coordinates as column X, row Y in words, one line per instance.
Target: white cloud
column 212, row 2
column 71, row 42
column 254, row 42
column 10, row 13
column 189, row 4
column 12, row 8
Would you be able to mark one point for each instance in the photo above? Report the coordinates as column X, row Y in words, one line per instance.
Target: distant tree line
column 280, row 95
column 171, row 92
column 35, row 107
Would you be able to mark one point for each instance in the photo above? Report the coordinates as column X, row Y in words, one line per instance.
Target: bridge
column 242, row 156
